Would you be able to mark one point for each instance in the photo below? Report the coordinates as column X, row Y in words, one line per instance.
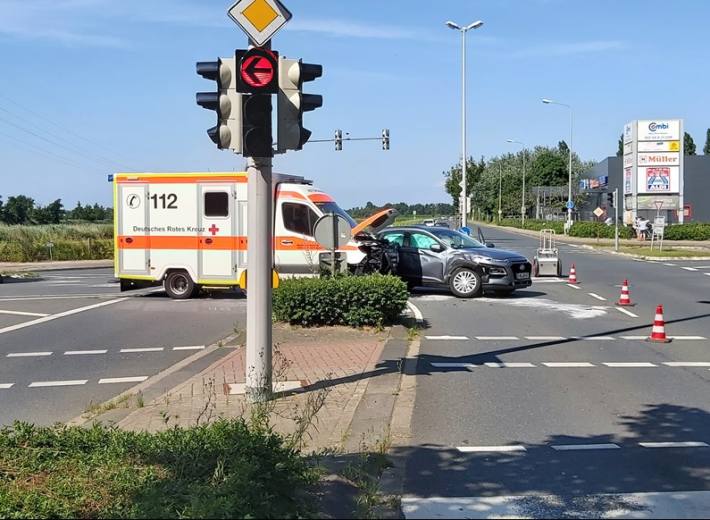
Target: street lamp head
column 452, row 25
column 475, row 25
column 547, row 101
column 510, row 140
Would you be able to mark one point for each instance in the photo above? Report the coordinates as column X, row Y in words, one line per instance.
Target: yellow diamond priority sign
column 260, row 19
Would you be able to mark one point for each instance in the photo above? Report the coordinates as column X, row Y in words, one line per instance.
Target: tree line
column 688, row 144
column 20, row 209
column 433, row 209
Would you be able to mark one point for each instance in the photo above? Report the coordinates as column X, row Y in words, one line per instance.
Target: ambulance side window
column 216, row 204
column 298, row 218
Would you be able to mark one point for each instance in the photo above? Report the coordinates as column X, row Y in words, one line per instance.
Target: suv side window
column 421, row 241
column 298, row 218
column 396, row 238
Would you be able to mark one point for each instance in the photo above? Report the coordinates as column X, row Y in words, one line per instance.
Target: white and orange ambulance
column 189, row 230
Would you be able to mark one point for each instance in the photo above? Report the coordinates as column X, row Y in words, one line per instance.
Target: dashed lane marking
column 490, row 449
column 634, row 338
column 195, row 347
column 446, row 338
column 573, row 286
column 6, row 386
column 18, row 313
column 144, row 349
column 687, row 338
column 594, row 338
column 585, row 447
column 118, row 380
column 686, row 444
column 28, row 354
column 600, row 298
column 545, row 338
column 689, row 268
column 630, row 365
column 627, row 312
column 686, row 364
column 670, row 265
column 569, row 365
column 47, row 384
column 497, row 338
column 84, row 352
column 510, row 365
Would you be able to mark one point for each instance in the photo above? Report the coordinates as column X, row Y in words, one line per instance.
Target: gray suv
column 436, row 256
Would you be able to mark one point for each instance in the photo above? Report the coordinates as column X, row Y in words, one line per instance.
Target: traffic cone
column 625, row 298
column 658, row 333
column 572, row 275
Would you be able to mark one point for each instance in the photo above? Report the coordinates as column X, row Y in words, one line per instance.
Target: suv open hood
column 377, row 222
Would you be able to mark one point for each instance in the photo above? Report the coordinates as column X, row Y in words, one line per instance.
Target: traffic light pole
column 259, row 281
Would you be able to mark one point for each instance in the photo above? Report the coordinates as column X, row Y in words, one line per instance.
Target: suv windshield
column 455, row 239
column 332, row 207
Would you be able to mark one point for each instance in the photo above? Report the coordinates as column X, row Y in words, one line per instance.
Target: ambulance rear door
column 218, row 240
column 132, row 232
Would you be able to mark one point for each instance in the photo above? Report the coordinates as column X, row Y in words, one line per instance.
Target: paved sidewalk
column 335, row 366
column 52, row 266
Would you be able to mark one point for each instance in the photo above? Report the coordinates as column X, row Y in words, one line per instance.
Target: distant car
column 429, row 222
column 441, row 223
column 440, row 257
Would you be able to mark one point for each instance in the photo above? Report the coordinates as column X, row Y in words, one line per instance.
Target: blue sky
column 111, row 86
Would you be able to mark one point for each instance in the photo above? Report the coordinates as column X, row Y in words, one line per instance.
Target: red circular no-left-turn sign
column 257, row 71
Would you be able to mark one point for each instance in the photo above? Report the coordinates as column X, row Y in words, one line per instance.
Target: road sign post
column 332, row 231
column 616, row 220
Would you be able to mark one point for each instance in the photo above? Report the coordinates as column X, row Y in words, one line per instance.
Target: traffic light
column 258, row 71
column 386, row 139
column 226, row 102
column 256, row 125
column 292, row 102
column 338, row 140
column 610, row 199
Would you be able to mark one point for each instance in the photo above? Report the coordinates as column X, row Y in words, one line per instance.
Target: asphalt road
column 70, row 338
column 549, row 403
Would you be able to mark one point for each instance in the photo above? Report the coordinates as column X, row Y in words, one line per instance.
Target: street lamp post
column 500, row 190
column 571, row 127
column 464, row 199
column 522, row 208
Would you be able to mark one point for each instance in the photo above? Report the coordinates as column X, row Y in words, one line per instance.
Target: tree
column 49, row 214
column 620, row 151
column 688, row 144
column 453, row 178
column 18, row 209
column 549, row 168
column 563, row 148
column 706, row 148
column 2, row 210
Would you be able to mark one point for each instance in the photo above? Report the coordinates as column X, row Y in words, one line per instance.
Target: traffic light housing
column 610, row 199
column 226, row 102
column 292, row 102
column 386, row 139
column 256, row 125
column 338, row 140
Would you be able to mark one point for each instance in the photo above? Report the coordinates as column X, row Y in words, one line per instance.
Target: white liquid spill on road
column 573, row 310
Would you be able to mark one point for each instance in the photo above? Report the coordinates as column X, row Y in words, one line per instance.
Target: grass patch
column 226, row 469
column 71, row 242
column 666, row 253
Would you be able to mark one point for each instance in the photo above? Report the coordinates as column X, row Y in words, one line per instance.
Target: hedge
column 227, row 469
column 690, row 231
column 356, row 301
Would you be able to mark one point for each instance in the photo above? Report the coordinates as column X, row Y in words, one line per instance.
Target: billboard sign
column 659, row 146
column 658, row 130
column 659, row 159
column 658, row 179
column 628, row 161
column 628, row 148
column 628, row 172
column 628, row 133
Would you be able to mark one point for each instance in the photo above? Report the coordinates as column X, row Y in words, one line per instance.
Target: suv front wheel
column 466, row 283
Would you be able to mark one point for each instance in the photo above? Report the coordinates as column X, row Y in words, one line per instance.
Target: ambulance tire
column 179, row 285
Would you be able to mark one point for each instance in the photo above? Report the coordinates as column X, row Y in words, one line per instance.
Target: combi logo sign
column 653, row 126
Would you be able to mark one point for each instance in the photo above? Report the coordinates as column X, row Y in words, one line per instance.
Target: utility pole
column 500, row 191
column 616, row 220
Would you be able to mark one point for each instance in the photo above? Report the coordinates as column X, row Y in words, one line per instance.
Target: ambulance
column 188, row 231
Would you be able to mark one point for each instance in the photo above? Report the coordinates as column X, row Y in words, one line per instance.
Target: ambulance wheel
column 179, row 285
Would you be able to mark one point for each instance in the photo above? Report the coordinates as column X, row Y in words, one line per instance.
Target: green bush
column 690, row 231
column 222, row 470
column 356, row 301
column 599, row 230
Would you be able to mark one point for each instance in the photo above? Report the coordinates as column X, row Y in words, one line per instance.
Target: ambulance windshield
column 332, row 207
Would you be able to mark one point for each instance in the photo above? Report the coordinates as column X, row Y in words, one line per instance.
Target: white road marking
column 686, row 364
column 487, row 449
column 539, row 279
column 196, row 347
column 52, row 317
column 510, row 365
column 18, row 313
column 46, row 384
column 84, row 352
column 594, row 338
column 600, row 298
column 574, row 310
column 113, row 380
column 687, row 444
column 569, row 365
column 669, row 264
column 573, row 286
column 629, row 365
column 689, row 268
column 144, row 349
column 545, row 338
column 446, row 338
column 497, row 338
column 585, row 447
column 454, row 365
column 29, row 354
column 688, row 338
column 635, row 338
column 6, row 386
column 702, row 267
column 627, row 312
column 415, row 310
column 706, row 274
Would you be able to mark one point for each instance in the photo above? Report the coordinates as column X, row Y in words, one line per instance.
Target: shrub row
column 32, row 251
column 690, row 231
column 223, row 470
column 356, row 301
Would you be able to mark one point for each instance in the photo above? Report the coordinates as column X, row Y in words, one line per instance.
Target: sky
column 91, row 87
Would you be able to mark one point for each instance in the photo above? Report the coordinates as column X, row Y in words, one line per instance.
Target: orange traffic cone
column 572, row 275
column 658, row 333
column 625, row 298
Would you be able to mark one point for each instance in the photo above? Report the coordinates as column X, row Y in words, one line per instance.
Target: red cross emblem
column 213, row 230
